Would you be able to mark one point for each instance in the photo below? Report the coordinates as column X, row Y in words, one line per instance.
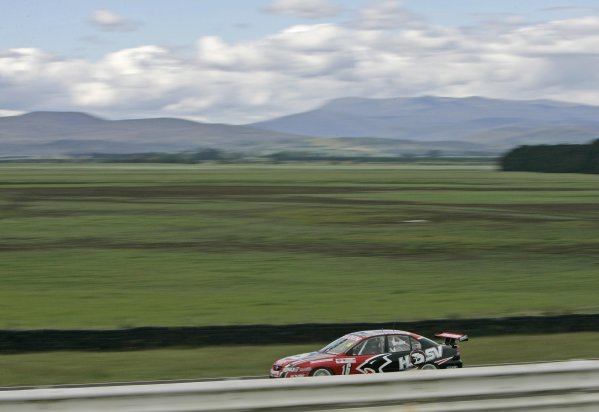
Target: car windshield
column 341, row 345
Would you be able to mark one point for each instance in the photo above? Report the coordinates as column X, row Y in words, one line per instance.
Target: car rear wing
column 451, row 338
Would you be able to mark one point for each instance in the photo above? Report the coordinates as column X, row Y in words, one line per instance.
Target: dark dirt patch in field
column 440, row 217
column 316, row 200
column 541, row 189
column 533, row 212
column 334, row 249
column 176, row 191
column 292, row 198
column 152, row 195
column 555, row 208
column 490, row 189
column 235, row 245
column 455, row 211
column 195, row 191
column 519, row 212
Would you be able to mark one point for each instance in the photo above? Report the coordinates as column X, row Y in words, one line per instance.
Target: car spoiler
column 451, row 338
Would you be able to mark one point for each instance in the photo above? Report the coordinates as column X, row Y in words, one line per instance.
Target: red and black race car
column 374, row 351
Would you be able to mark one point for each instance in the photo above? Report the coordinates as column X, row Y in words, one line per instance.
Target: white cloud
column 110, row 21
column 305, row 65
column 95, row 94
column 309, row 9
column 31, row 79
column 571, row 9
column 5, row 113
column 387, row 14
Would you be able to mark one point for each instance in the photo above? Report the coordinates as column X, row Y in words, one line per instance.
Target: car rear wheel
column 321, row 372
column 428, row 367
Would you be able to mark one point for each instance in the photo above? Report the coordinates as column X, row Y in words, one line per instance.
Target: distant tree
column 592, row 164
column 207, row 154
column 563, row 158
column 434, row 154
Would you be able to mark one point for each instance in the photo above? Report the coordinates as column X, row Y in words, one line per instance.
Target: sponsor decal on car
column 345, row 360
column 322, row 360
column 417, row 357
column 442, row 361
column 374, row 364
column 353, row 337
column 433, row 353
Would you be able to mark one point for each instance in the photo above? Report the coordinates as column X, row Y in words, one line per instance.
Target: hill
column 56, row 133
column 472, row 126
column 496, row 124
column 73, row 133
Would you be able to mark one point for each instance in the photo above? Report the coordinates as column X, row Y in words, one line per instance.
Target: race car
column 374, row 351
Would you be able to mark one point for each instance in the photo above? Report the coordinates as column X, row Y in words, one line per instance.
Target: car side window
column 398, row 343
column 416, row 345
column 370, row 346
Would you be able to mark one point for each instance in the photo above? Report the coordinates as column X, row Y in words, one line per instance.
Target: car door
column 401, row 349
column 368, row 356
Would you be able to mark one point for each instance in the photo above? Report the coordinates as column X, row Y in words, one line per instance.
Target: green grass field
column 89, row 367
column 105, row 246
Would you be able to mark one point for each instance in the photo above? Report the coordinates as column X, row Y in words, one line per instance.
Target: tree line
column 217, row 155
column 158, row 157
column 560, row 158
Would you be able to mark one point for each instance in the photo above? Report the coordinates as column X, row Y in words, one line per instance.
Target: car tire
column 321, row 372
column 428, row 367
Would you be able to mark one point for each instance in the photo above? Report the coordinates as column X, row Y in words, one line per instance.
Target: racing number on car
column 347, row 363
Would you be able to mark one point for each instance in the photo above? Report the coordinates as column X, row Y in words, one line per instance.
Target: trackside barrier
column 23, row 341
column 559, row 386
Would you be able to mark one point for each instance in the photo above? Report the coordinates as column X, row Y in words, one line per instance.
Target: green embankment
column 104, row 246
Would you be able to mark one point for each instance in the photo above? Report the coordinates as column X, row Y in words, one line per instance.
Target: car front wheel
column 428, row 367
column 321, row 372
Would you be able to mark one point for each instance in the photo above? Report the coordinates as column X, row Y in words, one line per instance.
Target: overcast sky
column 240, row 61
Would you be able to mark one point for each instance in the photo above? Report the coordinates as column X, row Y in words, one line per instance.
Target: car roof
column 377, row 332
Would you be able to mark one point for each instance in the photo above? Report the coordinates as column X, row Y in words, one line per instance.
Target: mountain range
column 60, row 133
column 348, row 126
column 489, row 122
